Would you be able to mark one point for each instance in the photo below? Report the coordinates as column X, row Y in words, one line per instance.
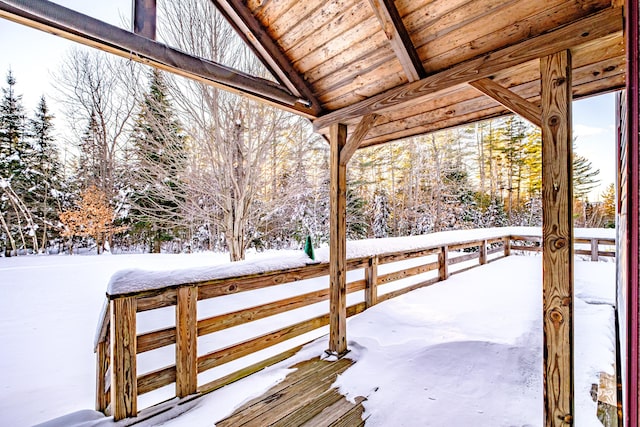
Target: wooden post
column 338, row 244
column 124, row 385
column 101, row 371
column 557, row 238
column 507, row 245
column 483, row 253
column 594, row 250
column 186, row 341
column 443, row 263
column 144, row 18
column 371, row 277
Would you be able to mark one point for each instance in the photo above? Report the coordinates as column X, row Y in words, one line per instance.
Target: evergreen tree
column 45, row 165
column 15, row 175
column 584, row 176
column 159, row 162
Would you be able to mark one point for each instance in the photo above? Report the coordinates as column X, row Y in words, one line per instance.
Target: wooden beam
column 557, row 238
column 338, row 244
column 144, row 18
column 186, row 341
column 251, row 31
column 399, row 38
column 124, row 389
column 58, row 20
column 358, row 135
column 593, row 27
column 509, row 100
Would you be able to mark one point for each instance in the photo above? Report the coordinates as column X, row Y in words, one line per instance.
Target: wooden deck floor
column 304, row 398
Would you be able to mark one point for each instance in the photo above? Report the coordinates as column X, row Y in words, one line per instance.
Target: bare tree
column 232, row 136
column 96, row 92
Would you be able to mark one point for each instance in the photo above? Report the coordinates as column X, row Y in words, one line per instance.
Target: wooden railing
column 118, row 344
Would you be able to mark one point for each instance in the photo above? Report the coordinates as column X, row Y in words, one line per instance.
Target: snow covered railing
column 378, row 277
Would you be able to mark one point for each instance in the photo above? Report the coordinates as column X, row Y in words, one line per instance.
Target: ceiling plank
column 254, row 35
column 510, row 100
column 399, row 38
column 61, row 21
column 593, row 27
column 358, row 135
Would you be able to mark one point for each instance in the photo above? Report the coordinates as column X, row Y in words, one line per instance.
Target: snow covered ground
column 466, row 351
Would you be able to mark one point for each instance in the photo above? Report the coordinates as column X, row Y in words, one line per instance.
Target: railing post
column 594, row 249
column 101, row 372
column 371, row 277
column 186, row 341
column 124, row 385
column 443, row 263
column 483, row 252
column 507, row 245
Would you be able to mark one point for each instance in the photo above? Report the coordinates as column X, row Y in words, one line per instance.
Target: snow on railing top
column 137, row 280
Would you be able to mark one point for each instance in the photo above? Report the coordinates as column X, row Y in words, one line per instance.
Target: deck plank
column 305, row 397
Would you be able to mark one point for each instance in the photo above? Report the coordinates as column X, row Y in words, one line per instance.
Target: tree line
column 153, row 162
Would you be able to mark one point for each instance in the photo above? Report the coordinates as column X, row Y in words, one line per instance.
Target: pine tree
column 160, row 160
column 47, row 170
column 15, row 176
column 584, row 176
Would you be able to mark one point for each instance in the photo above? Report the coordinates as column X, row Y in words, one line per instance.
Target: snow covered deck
column 214, row 328
column 468, row 348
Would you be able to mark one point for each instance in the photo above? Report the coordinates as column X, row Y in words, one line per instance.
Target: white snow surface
column 466, row 351
column 137, row 280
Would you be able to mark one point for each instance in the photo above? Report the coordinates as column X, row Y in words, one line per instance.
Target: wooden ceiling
column 417, row 66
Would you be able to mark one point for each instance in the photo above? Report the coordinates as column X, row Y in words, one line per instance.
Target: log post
column 102, row 365
column 124, row 385
column 483, row 252
column 371, row 277
column 557, row 238
column 144, row 18
column 506, row 242
column 594, row 250
column 186, row 341
column 338, row 243
column 443, row 263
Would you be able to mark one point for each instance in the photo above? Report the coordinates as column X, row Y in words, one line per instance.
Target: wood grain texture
column 557, row 232
column 186, row 341
column 483, row 253
column 443, row 263
column 255, row 36
column 576, row 33
column 365, row 124
column 124, row 392
column 399, row 38
column 102, row 365
column 510, row 100
column 371, row 279
column 338, row 243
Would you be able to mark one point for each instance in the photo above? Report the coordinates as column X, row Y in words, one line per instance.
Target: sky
column 33, row 56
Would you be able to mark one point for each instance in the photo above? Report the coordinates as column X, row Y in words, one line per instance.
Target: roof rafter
column 510, row 100
column 399, row 38
column 251, row 31
column 58, row 20
column 592, row 27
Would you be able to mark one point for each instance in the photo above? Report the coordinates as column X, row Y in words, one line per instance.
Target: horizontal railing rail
column 118, row 344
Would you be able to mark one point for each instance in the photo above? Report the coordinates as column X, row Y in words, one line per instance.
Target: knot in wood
column 559, row 81
column 554, row 121
column 556, row 318
column 560, row 243
column 566, row 301
column 568, row 419
column 232, row 288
